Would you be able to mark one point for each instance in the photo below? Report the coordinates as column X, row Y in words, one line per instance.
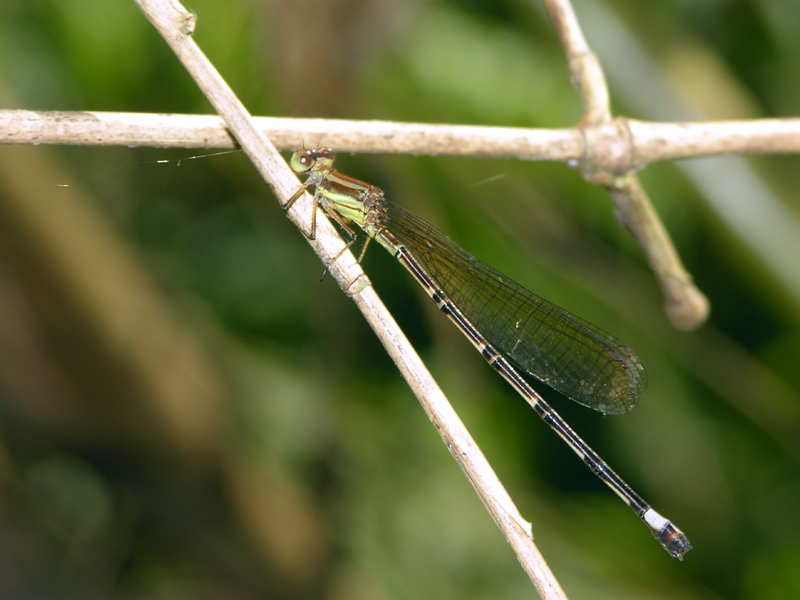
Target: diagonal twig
column 176, row 25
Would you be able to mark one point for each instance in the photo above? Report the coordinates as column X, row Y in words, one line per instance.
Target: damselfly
column 511, row 327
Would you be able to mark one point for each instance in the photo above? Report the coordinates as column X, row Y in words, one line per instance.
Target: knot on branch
column 173, row 21
column 608, row 151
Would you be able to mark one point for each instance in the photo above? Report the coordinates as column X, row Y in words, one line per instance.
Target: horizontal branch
column 623, row 144
column 654, row 142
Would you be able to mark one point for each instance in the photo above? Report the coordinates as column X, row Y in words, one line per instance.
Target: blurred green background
column 187, row 412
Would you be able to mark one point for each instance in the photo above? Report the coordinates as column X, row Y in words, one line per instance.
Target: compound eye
column 302, row 161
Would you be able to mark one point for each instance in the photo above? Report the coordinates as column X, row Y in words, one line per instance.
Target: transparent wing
column 579, row 360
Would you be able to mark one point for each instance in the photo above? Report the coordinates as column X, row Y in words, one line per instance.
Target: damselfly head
column 307, row 159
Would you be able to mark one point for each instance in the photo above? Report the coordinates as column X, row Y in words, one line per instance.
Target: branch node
column 170, row 17
column 608, row 151
column 358, row 285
